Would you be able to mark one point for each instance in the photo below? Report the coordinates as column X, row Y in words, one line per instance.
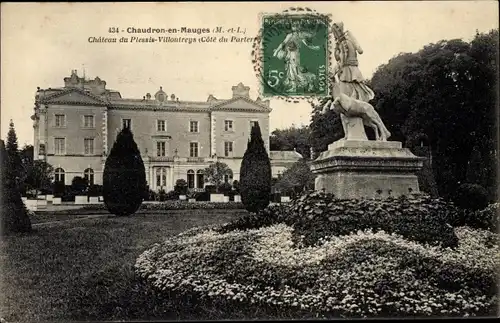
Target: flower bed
column 362, row 274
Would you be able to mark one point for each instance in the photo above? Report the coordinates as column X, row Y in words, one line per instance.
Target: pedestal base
column 367, row 169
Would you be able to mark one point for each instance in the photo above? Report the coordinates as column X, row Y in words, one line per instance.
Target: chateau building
column 75, row 127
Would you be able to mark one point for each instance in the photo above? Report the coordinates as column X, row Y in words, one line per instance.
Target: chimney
column 241, row 90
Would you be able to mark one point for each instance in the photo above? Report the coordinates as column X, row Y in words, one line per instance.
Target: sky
column 42, row 42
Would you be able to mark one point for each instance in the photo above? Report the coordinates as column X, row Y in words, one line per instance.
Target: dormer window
column 160, row 96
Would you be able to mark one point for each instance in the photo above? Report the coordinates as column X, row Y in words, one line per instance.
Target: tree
column 13, row 214
column 324, row 128
column 255, row 173
column 124, row 178
column 446, row 91
column 297, row 178
column 39, row 176
column 27, row 158
column 292, row 138
column 13, row 156
column 214, row 174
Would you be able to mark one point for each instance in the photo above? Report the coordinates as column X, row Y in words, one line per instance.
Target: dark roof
column 113, row 100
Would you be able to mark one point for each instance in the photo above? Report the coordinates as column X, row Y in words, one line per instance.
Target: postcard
column 248, row 160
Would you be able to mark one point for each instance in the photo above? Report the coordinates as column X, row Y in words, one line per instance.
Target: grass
column 83, row 270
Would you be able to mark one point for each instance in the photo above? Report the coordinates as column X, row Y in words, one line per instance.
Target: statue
column 353, row 108
column 351, row 94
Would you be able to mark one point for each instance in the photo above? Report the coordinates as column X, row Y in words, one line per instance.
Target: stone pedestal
column 285, row 199
column 367, row 169
column 355, row 128
column 216, row 197
column 81, row 199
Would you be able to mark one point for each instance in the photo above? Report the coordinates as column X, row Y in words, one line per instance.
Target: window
column 160, row 149
column 161, row 125
column 193, row 149
column 228, row 125
column 190, row 178
column 228, row 148
column 200, row 178
column 127, row 123
column 88, row 144
column 88, row 174
column 161, row 176
column 88, row 121
column 59, row 175
column 60, row 146
column 193, row 126
column 60, row 120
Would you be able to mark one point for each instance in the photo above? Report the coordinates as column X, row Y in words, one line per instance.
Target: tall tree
column 292, row 138
column 255, row 173
column 13, row 214
column 13, row 157
column 445, row 92
column 214, row 174
column 124, row 178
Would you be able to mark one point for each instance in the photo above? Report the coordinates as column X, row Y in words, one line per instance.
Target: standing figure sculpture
column 346, row 52
column 351, row 90
column 289, row 49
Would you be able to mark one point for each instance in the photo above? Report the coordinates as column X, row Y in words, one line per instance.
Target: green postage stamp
column 295, row 55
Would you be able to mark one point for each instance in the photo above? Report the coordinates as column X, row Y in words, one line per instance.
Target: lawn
column 83, row 270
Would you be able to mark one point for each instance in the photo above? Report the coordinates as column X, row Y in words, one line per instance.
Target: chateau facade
column 75, row 127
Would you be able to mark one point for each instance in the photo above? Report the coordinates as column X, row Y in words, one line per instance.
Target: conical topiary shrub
column 124, row 178
column 255, row 173
column 13, row 213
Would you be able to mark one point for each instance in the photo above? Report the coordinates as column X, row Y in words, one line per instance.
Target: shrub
column 488, row 218
column 59, row 189
column 255, row 173
column 94, row 190
column 151, row 195
column 364, row 274
column 236, row 186
column 225, row 188
column 181, row 187
column 124, row 178
column 13, row 214
column 162, row 195
column 172, row 195
column 316, row 215
column 471, row 196
column 202, row 196
column 79, row 185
